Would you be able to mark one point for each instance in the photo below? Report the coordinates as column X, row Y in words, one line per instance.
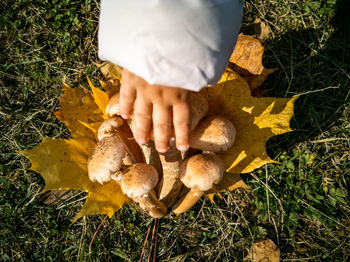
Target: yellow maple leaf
column 63, row 163
column 256, row 120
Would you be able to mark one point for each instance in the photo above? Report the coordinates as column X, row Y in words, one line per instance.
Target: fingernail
column 142, row 141
column 183, row 148
column 125, row 116
column 162, row 150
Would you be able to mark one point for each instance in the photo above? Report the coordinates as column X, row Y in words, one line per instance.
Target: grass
column 302, row 204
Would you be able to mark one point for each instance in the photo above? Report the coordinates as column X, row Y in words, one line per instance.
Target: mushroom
column 170, row 184
column 112, row 107
column 106, row 159
column 109, row 127
column 214, row 134
column 198, row 173
column 138, row 184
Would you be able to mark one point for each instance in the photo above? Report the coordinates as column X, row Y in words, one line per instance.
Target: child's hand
column 163, row 106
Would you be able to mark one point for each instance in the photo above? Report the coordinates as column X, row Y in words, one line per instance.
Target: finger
column 143, row 119
column 126, row 100
column 181, row 121
column 162, row 127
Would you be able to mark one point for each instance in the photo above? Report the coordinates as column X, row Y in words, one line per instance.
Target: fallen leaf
column 246, row 60
column 77, row 105
column 63, row 163
column 112, row 77
column 110, row 71
column 263, row 251
column 53, row 197
column 248, row 54
column 101, row 98
column 105, row 199
column 256, row 120
column 261, row 29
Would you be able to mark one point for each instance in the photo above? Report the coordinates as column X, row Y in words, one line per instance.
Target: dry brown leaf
column 53, row 197
column 263, row 251
column 112, row 77
column 246, row 60
column 110, row 71
column 261, row 29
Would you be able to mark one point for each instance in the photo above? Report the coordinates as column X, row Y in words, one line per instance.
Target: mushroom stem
column 170, row 184
column 187, row 201
column 149, row 202
column 151, row 155
column 149, row 151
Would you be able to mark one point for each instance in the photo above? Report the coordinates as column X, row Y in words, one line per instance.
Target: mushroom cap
column 112, row 107
column 202, row 171
column 109, row 127
column 106, row 159
column 199, row 108
column 139, row 180
column 213, row 134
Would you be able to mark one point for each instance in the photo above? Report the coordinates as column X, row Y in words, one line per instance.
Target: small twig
column 93, row 237
column 144, row 243
column 152, row 239
column 328, row 140
column 318, row 90
column 267, row 193
column 277, row 234
column 155, row 243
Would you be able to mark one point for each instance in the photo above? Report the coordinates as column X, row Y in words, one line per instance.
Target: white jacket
column 182, row 43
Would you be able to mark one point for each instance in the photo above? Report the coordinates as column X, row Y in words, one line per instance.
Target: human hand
column 154, row 106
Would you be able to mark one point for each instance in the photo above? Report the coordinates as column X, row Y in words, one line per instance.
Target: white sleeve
column 182, row 43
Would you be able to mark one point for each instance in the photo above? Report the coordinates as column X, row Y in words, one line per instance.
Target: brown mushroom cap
column 106, row 159
column 202, row 171
column 112, row 107
column 139, row 180
column 213, row 134
column 199, row 108
column 109, row 127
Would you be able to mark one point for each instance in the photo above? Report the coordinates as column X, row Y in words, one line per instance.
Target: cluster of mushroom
column 173, row 180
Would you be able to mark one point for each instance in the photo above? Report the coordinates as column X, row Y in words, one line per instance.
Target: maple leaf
column 256, row 120
column 63, row 163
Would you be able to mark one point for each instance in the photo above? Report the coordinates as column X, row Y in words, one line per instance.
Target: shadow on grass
column 308, row 64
